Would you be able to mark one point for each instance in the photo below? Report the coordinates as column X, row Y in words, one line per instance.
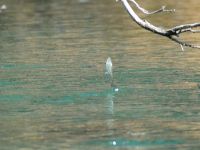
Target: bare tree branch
column 172, row 34
column 182, row 43
column 183, row 28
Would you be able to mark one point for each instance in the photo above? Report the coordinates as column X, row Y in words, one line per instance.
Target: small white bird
column 3, row 7
column 109, row 74
column 109, row 67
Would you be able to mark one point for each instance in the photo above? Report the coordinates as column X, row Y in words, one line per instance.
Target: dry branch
column 172, row 34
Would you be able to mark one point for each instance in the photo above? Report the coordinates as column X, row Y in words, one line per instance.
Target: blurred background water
column 52, row 89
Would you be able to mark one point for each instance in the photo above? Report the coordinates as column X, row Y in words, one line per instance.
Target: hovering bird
column 109, row 74
column 109, row 67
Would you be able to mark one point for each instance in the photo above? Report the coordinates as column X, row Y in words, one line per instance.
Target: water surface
column 52, row 89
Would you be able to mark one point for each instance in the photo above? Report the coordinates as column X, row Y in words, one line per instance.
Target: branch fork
column 172, row 34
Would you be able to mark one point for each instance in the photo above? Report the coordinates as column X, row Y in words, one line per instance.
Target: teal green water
column 52, row 89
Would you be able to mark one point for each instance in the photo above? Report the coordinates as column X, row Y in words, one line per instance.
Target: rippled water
column 52, row 89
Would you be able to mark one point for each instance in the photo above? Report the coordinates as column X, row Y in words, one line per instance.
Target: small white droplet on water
column 114, row 143
column 116, row 89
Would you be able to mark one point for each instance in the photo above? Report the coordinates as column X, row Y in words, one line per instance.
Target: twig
column 190, row 30
column 162, row 9
column 182, row 47
column 177, row 40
